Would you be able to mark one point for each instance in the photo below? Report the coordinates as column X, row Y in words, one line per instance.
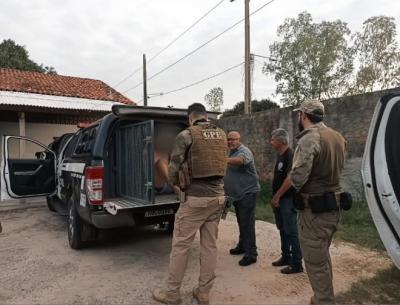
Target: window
column 392, row 143
column 86, row 141
column 71, row 147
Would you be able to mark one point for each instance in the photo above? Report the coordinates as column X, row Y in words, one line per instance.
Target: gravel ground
column 38, row 267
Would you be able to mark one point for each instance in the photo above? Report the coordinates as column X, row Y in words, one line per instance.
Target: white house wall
column 43, row 133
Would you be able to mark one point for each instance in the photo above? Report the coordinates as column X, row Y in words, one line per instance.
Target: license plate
column 158, row 213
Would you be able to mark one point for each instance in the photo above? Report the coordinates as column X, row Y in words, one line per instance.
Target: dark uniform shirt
column 283, row 166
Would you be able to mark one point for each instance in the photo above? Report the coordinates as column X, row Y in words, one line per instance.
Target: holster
column 181, row 196
column 227, row 205
column 346, row 201
column 324, row 203
column 184, row 177
column 299, row 201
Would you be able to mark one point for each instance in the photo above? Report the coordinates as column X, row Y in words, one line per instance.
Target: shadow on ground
column 383, row 288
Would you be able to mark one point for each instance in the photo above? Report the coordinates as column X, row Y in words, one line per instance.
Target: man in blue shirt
column 241, row 184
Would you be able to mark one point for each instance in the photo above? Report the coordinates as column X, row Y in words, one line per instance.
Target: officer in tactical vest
column 197, row 167
column 317, row 165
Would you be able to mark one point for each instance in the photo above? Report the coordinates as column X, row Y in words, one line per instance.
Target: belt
column 306, row 197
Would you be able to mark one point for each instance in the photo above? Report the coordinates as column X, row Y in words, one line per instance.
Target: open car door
column 381, row 172
column 28, row 169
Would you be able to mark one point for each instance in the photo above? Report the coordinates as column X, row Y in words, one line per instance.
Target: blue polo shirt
column 241, row 179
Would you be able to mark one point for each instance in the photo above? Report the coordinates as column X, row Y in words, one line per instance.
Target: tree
column 312, row 60
column 378, row 55
column 15, row 56
column 256, row 106
column 215, row 99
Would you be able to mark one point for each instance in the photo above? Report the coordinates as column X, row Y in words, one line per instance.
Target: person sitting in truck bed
column 164, row 138
column 161, row 183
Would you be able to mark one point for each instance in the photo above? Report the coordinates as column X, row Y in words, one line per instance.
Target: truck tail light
column 94, row 177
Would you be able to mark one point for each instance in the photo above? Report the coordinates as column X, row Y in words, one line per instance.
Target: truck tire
column 171, row 225
column 50, row 204
column 75, row 226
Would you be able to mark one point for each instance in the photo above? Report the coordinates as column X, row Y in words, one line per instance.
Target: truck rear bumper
column 124, row 213
column 104, row 220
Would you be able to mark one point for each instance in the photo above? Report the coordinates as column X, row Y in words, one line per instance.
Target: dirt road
column 37, row 266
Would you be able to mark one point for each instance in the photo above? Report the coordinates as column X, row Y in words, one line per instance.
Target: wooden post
column 144, row 81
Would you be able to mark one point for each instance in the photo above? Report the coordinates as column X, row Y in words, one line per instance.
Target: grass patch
column 383, row 288
column 263, row 208
column 356, row 225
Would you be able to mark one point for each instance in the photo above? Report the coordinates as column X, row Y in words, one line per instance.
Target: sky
column 106, row 40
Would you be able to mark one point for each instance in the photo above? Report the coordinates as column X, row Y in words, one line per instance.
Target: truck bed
column 115, row 205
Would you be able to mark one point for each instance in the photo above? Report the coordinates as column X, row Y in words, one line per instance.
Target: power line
column 172, row 42
column 199, row 47
column 187, row 30
column 197, row 82
column 129, row 76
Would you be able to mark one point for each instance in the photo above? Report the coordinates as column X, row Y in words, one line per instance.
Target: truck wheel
column 171, row 224
column 50, row 204
column 75, row 227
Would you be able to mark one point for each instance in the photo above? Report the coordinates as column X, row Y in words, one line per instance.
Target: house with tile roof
column 43, row 106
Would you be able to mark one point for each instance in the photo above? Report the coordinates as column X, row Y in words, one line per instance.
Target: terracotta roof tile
column 52, row 84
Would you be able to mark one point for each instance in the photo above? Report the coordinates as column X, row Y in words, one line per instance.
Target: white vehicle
column 381, row 172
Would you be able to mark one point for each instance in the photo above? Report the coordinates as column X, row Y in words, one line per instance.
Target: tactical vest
column 207, row 155
column 328, row 165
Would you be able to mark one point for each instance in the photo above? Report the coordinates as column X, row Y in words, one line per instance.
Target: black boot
column 281, row 262
column 247, row 260
column 236, row 251
column 292, row 269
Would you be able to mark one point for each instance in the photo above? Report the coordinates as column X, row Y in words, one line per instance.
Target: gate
column 135, row 158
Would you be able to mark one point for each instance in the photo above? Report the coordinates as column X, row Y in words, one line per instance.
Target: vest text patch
column 211, row 134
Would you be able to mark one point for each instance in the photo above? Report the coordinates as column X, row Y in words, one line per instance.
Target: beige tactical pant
column 315, row 234
column 196, row 213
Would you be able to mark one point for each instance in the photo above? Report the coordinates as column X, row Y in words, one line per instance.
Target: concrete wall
column 349, row 115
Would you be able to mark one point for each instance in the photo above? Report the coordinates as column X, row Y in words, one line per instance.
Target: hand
column 275, row 201
column 176, row 189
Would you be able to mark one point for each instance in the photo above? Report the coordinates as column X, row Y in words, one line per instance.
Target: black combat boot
column 247, row 260
column 236, row 251
column 281, row 262
column 292, row 269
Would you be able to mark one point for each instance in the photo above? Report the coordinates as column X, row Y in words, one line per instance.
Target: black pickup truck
column 102, row 176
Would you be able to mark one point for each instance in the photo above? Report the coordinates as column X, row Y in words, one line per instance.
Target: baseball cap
column 313, row 107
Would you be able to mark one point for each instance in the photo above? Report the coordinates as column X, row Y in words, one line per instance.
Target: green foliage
column 17, row 57
column 256, row 106
column 378, row 54
column 215, row 99
column 312, row 60
column 382, row 288
column 318, row 60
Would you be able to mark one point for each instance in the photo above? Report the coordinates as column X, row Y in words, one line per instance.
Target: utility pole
column 247, row 79
column 247, row 59
column 144, row 81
